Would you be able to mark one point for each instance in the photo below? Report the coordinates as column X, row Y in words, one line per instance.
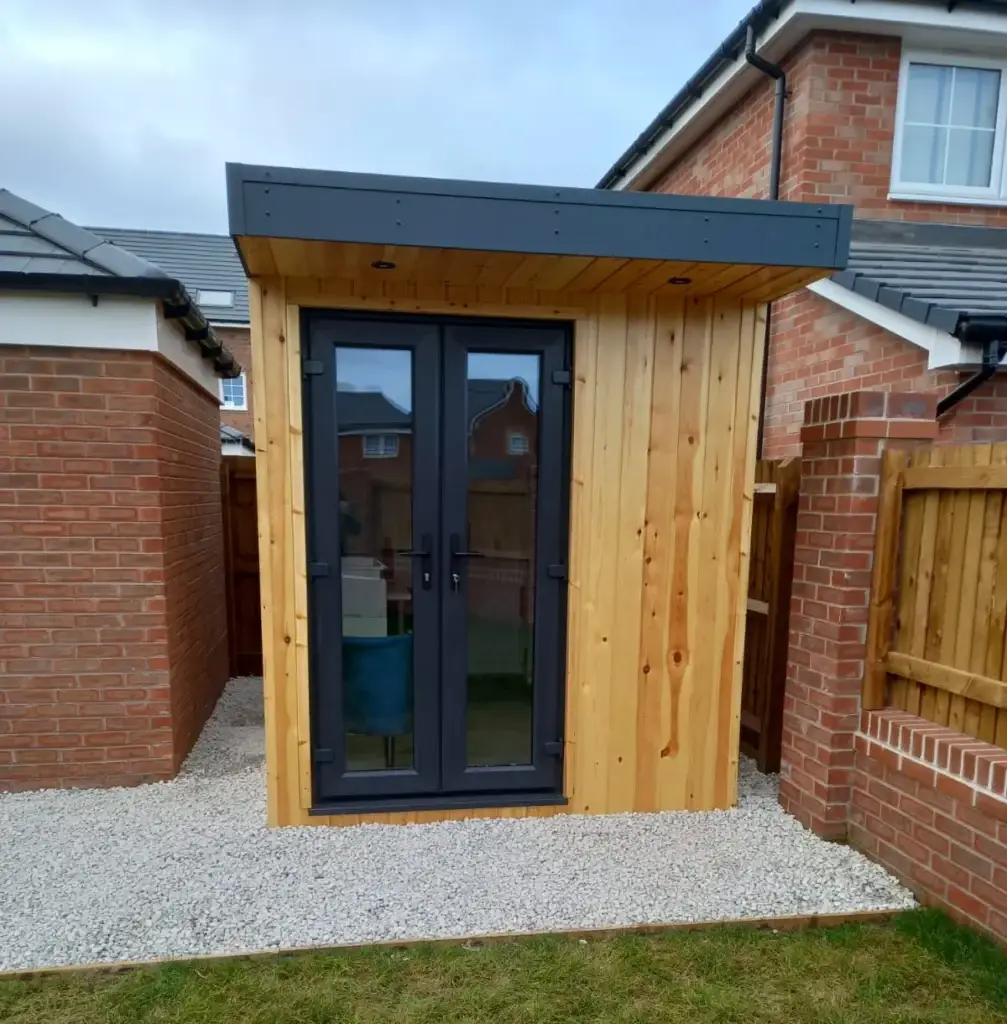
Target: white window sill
column 950, row 200
column 234, row 408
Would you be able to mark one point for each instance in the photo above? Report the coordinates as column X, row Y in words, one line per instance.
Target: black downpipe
column 775, row 173
column 994, row 349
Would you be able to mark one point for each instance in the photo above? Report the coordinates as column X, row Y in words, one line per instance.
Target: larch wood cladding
column 664, row 424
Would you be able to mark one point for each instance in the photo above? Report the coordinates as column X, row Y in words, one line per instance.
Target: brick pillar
column 842, row 438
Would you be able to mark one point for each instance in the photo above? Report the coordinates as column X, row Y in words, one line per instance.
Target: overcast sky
column 122, row 114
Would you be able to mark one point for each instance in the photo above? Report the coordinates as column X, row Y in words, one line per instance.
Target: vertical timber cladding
column 665, row 411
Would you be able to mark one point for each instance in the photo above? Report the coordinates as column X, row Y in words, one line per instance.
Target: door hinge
column 312, row 368
column 318, row 569
column 324, row 756
column 554, row 748
column 556, row 572
column 562, row 377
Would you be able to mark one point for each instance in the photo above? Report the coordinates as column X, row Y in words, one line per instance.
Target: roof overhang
column 333, row 224
column 945, row 350
column 725, row 77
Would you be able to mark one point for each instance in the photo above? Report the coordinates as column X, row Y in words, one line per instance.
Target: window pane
column 974, row 98
column 923, row 151
column 929, row 99
column 374, row 394
column 970, row 157
column 503, row 405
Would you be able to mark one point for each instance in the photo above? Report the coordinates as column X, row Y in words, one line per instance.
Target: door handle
column 426, row 553
column 458, row 552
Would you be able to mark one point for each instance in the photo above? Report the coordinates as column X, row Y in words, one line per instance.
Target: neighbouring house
column 113, row 645
column 896, row 677
column 210, row 270
column 521, row 618
column 901, row 110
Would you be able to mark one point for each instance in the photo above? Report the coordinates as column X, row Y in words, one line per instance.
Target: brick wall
column 931, row 805
column 820, row 349
column 98, row 669
column 843, row 439
column 188, row 457
column 838, row 138
column 239, row 341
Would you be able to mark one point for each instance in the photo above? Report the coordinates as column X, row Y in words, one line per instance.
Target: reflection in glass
column 503, row 421
column 375, row 425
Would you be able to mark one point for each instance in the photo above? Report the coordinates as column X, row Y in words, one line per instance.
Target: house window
column 517, row 443
column 233, row 393
column 381, row 446
column 207, row 297
column 951, row 123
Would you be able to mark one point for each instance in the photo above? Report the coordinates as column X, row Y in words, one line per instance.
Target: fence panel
column 937, row 628
column 241, row 564
column 774, row 526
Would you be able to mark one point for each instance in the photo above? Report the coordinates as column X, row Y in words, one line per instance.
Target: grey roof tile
column 937, row 274
column 201, row 262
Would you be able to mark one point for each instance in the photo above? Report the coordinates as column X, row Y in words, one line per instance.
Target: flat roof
column 337, row 206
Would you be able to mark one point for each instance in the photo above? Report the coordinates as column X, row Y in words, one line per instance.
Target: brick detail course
column 941, row 829
column 844, row 437
column 112, row 635
column 838, row 137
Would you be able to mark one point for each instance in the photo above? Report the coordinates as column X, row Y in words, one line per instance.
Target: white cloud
column 124, row 113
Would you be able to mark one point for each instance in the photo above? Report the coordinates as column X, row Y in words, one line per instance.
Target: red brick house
column 113, row 645
column 901, row 109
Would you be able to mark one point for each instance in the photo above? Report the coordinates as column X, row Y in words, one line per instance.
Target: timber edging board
column 791, row 923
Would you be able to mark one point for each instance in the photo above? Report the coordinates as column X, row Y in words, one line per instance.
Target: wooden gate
column 774, row 528
column 241, row 549
column 937, row 631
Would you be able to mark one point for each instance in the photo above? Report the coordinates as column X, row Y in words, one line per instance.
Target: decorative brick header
column 874, row 414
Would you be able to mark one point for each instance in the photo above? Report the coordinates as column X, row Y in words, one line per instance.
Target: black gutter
column 757, row 20
column 991, row 333
column 775, row 172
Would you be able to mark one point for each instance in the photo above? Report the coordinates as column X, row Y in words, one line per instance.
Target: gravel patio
column 188, row 867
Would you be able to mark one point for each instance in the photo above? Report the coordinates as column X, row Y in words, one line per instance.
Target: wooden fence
column 937, row 627
column 774, row 525
column 241, row 566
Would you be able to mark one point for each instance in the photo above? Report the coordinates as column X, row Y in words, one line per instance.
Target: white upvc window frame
column 386, row 447
column 993, row 195
column 228, row 407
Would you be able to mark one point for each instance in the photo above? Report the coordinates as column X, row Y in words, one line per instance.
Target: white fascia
column 944, row 351
column 922, row 24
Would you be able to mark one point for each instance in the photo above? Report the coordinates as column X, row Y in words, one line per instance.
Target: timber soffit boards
column 335, row 206
column 42, row 252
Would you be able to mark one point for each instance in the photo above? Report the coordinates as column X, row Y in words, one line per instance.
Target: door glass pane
column 503, row 429
column 374, row 416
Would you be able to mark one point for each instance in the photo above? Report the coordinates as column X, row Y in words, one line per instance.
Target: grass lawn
column 919, row 968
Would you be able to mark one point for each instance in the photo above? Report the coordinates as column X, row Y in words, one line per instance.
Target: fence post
column 886, row 557
column 788, row 484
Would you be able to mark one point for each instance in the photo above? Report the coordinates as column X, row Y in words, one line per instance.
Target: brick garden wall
column 103, row 616
column 931, row 805
column 838, row 137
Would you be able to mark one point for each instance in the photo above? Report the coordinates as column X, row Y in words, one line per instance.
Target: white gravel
column 188, row 867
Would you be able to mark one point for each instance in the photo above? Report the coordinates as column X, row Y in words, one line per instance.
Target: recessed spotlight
column 383, row 265
column 679, row 280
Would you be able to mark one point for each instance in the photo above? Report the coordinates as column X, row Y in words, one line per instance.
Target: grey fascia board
column 434, row 213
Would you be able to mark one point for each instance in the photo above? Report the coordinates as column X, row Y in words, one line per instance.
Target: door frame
column 384, row 794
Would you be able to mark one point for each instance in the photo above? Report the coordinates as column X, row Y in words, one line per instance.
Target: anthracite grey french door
column 436, row 467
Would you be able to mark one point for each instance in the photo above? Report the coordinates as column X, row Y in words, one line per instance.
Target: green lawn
column 919, row 968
